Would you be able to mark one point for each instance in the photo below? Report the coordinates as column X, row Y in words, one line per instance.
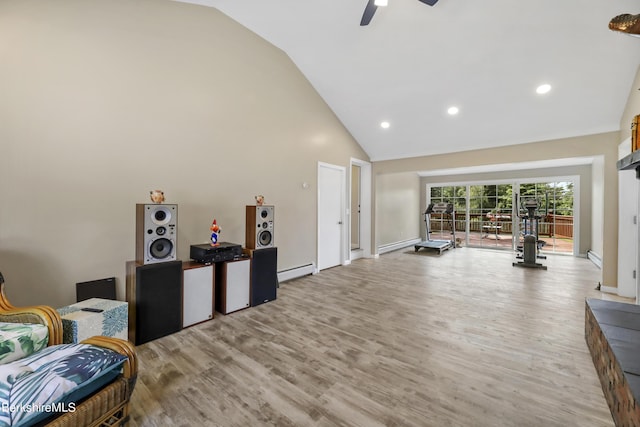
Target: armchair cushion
column 53, row 380
column 18, row 340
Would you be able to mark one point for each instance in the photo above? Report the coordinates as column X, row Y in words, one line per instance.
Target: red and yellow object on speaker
column 215, row 233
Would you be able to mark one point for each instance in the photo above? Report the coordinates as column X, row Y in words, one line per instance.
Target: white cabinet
column 233, row 285
column 197, row 293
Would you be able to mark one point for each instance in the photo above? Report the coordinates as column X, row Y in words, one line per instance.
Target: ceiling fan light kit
column 372, row 6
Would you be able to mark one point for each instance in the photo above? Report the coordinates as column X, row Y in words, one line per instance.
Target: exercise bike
column 529, row 252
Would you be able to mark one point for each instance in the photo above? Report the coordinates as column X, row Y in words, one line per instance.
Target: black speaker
column 154, row 292
column 101, row 288
column 156, row 233
column 259, row 227
column 264, row 275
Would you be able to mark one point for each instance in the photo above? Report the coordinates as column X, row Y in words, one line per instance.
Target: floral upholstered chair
column 45, row 382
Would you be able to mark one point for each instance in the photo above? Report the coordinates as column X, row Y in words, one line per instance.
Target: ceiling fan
column 372, row 6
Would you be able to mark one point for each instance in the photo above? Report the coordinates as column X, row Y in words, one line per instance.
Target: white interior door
column 331, row 185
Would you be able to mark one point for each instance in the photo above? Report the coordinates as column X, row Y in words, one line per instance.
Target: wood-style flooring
column 409, row 339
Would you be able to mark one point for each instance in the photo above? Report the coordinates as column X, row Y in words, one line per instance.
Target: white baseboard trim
column 625, row 294
column 609, row 289
column 346, row 262
column 398, row 245
column 596, row 259
column 356, row 254
column 294, row 273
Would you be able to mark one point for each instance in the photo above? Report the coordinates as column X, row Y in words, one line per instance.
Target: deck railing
column 551, row 225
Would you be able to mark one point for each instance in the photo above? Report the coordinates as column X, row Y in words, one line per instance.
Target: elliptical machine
column 529, row 251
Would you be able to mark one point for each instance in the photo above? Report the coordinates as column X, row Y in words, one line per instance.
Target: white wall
column 398, row 210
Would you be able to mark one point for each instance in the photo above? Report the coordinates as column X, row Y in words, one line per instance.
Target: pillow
column 18, row 340
column 36, row 387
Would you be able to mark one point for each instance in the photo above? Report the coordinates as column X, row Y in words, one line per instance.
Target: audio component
column 101, row 288
column 198, row 282
column 154, row 293
column 206, row 253
column 264, row 275
column 233, row 283
column 259, row 227
column 156, row 233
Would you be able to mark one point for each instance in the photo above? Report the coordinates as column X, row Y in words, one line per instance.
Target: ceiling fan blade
column 369, row 10
column 429, row 2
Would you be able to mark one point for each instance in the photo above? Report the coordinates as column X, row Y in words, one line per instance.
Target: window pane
column 489, row 190
column 527, row 190
column 448, row 193
column 489, row 204
column 475, row 191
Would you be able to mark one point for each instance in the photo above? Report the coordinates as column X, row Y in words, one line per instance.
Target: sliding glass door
column 555, row 201
column 441, row 224
column 494, row 214
column 490, row 215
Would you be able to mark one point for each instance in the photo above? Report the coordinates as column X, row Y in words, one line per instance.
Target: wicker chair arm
column 41, row 314
column 130, row 367
column 4, row 301
column 110, row 405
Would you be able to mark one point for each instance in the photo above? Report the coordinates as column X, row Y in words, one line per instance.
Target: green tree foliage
column 553, row 197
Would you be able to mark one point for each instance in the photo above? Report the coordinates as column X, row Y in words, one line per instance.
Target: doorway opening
column 360, row 209
column 355, row 206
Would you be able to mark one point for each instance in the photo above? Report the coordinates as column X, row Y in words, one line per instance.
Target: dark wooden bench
column 612, row 332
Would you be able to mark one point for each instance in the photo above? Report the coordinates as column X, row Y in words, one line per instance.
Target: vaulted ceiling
column 486, row 57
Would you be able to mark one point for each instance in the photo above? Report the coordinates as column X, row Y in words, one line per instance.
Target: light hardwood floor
column 461, row 339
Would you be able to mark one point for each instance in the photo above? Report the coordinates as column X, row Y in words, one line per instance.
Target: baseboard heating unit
column 595, row 259
column 294, row 273
column 398, row 245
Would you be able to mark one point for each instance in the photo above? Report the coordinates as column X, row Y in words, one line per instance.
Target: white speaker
column 156, row 233
column 259, row 227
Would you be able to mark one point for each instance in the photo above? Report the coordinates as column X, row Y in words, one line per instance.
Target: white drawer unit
column 198, row 283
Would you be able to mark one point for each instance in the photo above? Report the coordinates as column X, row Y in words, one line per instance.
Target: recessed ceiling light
column 380, row 2
column 453, row 111
column 385, row 125
column 542, row 89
